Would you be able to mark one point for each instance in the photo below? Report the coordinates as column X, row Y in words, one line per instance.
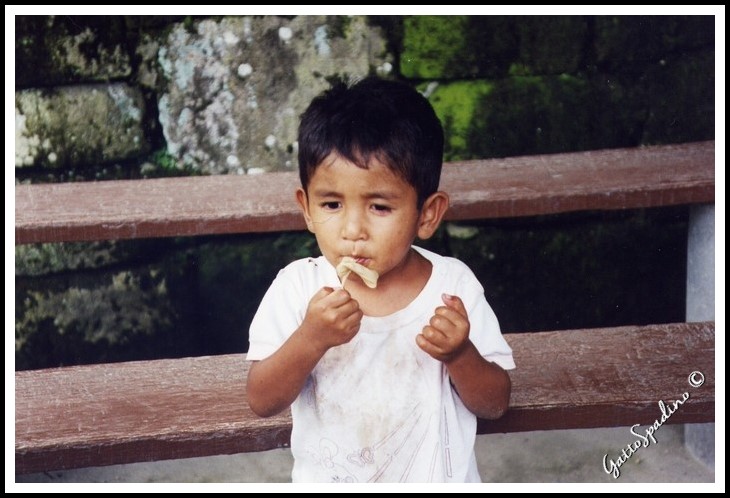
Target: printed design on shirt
column 362, row 458
column 327, row 458
column 447, row 450
column 434, row 460
column 390, row 459
column 391, row 445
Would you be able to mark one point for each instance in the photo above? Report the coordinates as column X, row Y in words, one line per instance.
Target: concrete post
column 700, row 438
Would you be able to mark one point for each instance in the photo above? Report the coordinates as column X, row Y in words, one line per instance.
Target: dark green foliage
column 581, row 270
column 549, row 84
column 232, row 274
column 201, row 292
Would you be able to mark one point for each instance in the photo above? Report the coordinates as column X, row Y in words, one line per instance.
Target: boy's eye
column 380, row 208
column 330, row 205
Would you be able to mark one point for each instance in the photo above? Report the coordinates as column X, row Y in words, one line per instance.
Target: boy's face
column 368, row 214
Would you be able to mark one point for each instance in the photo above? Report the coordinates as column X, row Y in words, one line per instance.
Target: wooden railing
column 152, row 410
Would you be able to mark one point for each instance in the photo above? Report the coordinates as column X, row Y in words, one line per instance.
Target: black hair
column 374, row 118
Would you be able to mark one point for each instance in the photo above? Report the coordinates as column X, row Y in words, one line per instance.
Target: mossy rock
column 456, row 105
column 52, row 50
column 457, row 47
column 74, row 126
column 550, row 44
column 680, row 100
column 630, row 43
column 233, row 88
column 525, row 115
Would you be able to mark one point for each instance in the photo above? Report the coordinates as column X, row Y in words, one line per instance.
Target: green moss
column 553, row 114
column 519, row 69
column 458, row 47
column 162, row 159
column 162, row 164
column 455, row 105
column 430, row 43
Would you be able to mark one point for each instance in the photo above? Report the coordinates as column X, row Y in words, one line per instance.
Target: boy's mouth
column 350, row 264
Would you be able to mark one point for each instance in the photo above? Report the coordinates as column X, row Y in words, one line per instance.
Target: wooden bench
column 152, row 410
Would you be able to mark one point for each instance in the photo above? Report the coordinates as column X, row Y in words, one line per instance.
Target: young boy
column 384, row 383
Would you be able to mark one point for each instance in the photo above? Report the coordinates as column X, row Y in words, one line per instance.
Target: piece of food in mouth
column 349, row 265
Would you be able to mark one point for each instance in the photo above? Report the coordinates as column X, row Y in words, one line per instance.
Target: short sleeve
column 484, row 331
column 278, row 316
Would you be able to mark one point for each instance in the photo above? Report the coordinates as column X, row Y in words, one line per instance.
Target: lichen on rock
column 235, row 87
column 78, row 125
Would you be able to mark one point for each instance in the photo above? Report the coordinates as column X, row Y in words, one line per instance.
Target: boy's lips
column 357, row 265
column 361, row 260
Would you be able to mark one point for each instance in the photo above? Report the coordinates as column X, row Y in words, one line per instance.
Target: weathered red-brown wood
column 138, row 411
column 495, row 188
column 164, row 409
column 609, row 377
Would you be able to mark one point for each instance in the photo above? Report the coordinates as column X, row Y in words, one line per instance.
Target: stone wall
column 107, row 97
column 224, row 94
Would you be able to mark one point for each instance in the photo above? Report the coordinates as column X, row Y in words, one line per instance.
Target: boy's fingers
column 433, row 334
column 322, row 293
column 454, row 302
column 335, row 297
column 426, row 345
column 442, row 322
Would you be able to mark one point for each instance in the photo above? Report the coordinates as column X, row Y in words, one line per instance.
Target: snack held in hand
column 349, row 265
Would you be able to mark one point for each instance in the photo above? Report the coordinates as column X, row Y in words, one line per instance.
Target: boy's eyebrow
column 387, row 195
column 326, row 193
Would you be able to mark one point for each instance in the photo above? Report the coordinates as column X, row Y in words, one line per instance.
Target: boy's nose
column 354, row 227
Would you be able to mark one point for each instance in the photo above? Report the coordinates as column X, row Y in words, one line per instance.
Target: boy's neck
column 396, row 289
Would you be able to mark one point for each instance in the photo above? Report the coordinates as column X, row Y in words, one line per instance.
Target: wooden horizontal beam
column 165, row 409
column 608, row 377
column 495, row 188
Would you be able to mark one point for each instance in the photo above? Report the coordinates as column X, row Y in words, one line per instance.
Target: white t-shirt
column 380, row 409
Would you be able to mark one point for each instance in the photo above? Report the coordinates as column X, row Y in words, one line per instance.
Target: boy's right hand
column 333, row 318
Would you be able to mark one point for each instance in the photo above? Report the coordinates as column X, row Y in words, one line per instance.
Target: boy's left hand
column 447, row 333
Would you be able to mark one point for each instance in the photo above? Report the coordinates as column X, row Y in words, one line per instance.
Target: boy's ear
column 432, row 213
column 304, row 205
